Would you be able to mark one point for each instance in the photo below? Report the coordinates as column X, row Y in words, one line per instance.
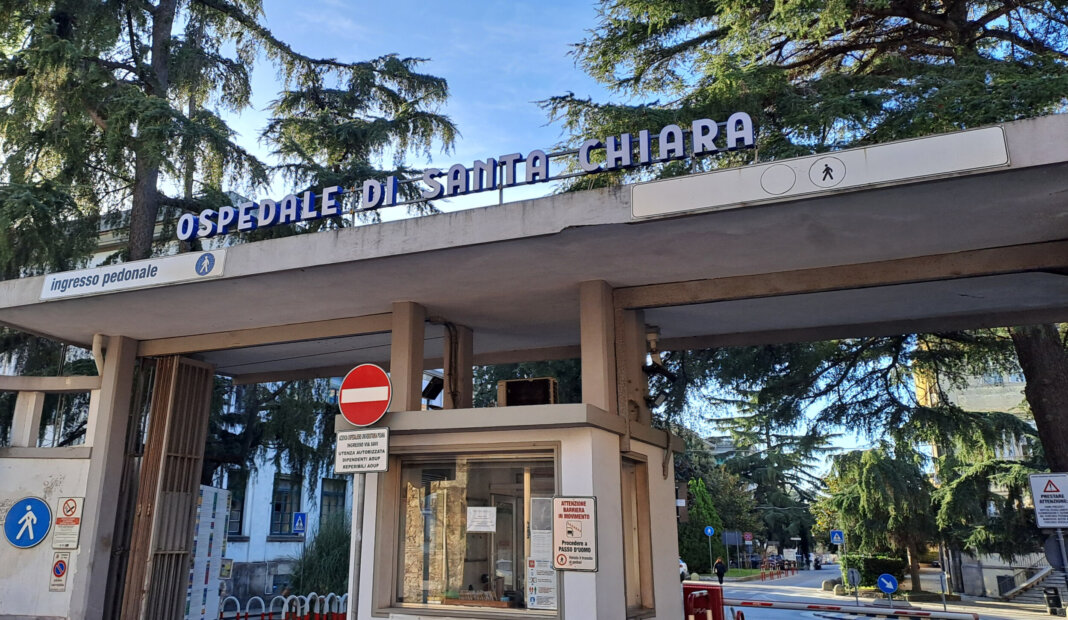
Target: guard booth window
column 471, row 530
column 284, row 502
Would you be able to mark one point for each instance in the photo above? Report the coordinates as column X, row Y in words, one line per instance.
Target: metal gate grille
column 158, row 571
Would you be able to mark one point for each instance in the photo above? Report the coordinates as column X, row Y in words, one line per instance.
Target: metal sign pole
column 359, row 492
column 711, row 566
column 942, row 580
column 1064, row 558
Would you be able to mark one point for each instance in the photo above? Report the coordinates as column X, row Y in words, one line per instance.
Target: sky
column 499, row 58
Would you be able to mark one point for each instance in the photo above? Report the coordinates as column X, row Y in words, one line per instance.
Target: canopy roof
column 978, row 248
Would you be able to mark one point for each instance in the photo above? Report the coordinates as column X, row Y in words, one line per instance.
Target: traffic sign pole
column 1064, row 558
column 711, row 566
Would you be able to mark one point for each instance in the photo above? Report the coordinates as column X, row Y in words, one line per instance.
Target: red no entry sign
column 365, row 394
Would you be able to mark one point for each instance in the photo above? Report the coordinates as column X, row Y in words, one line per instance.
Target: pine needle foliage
column 818, row 76
column 120, row 105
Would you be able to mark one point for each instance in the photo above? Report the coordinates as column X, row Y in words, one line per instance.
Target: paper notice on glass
column 481, row 519
column 541, row 584
column 541, row 544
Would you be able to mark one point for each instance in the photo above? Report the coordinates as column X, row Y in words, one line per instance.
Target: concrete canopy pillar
column 459, row 360
column 109, row 414
column 598, row 346
column 26, row 424
column 406, row 356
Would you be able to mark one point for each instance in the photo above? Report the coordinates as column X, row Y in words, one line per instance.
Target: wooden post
column 459, row 359
column 406, row 356
column 598, row 345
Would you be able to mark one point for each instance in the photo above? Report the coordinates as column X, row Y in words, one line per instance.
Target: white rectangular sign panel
column 896, row 162
column 575, row 533
column 1050, row 493
column 541, row 584
column 60, row 567
column 137, row 274
column 481, row 518
column 360, row 452
column 68, row 524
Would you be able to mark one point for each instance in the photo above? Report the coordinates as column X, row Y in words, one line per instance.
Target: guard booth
column 949, row 232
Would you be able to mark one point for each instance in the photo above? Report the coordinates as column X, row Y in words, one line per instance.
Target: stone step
column 1034, row 596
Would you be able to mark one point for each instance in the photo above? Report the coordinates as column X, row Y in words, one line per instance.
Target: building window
column 236, row 483
column 637, row 536
column 473, row 528
column 284, row 502
column 332, row 503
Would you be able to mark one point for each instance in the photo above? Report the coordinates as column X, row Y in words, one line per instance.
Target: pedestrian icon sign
column 837, row 537
column 205, row 264
column 300, row 522
column 28, row 522
column 709, row 530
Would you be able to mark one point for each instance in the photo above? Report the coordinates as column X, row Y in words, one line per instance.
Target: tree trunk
column 1044, row 361
column 145, row 207
column 914, row 565
column 146, row 167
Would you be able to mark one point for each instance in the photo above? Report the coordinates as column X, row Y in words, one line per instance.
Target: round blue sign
column 709, row 530
column 887, row 583
column 28, row 522
column 205, row 264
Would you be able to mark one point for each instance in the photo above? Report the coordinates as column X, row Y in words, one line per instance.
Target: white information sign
column 541, row 584
column 481, row 519
column 360, row 452
column 136, row 274
column 68, row 523
column 1050, row 493
column 60, row 568
column 575, row 533
column 860, row 168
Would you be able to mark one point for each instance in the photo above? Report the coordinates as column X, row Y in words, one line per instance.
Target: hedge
column 871, row 566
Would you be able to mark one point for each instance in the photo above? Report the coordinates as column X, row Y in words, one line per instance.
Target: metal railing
column 1022, row 580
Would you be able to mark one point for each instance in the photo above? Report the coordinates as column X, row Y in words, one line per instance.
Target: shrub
column 871, row 566
column 323, row 566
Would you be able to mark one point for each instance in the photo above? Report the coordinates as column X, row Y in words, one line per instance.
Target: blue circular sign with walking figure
column 28, row 522
column 205, row 264
column 709, row 530
column 887, row 583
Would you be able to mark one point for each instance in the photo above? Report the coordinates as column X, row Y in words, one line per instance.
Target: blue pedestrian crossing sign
column 837, row 537
column 300, row 522
column 887, row 583
column 27, row 522
column 709, row 530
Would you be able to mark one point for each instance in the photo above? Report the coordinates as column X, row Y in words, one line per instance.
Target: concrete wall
column 589, row 464
column 25, row 573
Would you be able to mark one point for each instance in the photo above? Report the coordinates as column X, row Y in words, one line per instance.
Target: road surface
column 805, row 587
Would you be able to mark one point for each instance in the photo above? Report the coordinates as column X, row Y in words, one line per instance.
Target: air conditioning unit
column 516, row 392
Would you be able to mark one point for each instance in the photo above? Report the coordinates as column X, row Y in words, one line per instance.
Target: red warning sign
column 1050, row 487
column 365, row 395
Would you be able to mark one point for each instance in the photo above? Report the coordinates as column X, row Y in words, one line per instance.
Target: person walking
column 720, row 568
